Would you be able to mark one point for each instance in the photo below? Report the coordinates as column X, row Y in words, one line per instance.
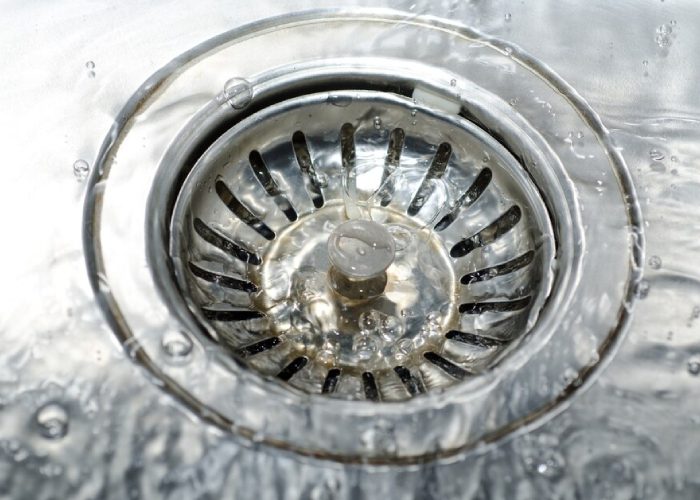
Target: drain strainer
column 379, row 258
column 352, row 253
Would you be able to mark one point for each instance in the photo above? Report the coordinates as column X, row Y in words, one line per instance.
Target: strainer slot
column 369, row 385
column 227, row 313
column 489, row 234
column 413, row 384
column 243, row 212
column 261, row 346
column 498, row 270
column 467, row 199
column 311, row 180
column 224, row 244
column 294, row 367
column 391, row 163
column 221, row 279
column 435, row 171
column 446, row 365
column 262, row 173
column 501, row 306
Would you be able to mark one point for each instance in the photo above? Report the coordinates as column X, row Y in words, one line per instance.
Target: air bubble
column 402, row 349
column 238, row 93
column 390, row 328
column 453, row 83
column 369, row 321
column 377, row 122
column 364, row 347
column 694, row 367
column 402, row 237
column 655, row 262
column 90, row 65
column 81, row 169
column 52, row 421
column 176, row 345
column 508, row 16
column 656, row 155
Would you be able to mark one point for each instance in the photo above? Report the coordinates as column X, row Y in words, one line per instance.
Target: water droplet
column 508, row 16
column 238, row 93
column 508, row 50
column 453, row 83
column 579, row 135
column 377, row 122
column 643, row 289
column 513, row 101
column 655, row 262
column 486, row 158
column 81, row 170
column 402, row 349
column 176, row 345
column 694, row 366
column 656, row 155
column 52, row 421
column 90, row 65
column 414, row 112
column 369, row 321
column 645, row 63
column 340, row 101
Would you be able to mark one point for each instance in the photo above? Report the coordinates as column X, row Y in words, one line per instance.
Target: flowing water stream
column 80, row 416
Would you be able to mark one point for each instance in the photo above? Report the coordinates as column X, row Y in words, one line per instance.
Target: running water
column 80, row 419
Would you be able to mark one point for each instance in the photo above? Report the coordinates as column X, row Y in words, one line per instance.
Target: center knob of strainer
column 360, row 251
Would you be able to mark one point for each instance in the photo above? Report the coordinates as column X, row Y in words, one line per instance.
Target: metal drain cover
column 363, row 258
column 471, row 245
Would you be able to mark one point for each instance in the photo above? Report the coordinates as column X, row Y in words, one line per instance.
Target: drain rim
column 96, row 264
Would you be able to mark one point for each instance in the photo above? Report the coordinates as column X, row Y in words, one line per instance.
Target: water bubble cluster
column 664, row 36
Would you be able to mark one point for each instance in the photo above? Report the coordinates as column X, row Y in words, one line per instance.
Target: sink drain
column 370, row 258
column 269, row 233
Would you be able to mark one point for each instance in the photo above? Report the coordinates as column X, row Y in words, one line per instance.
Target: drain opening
column 256, row 238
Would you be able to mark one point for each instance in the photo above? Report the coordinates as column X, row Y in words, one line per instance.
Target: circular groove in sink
column 579, row 311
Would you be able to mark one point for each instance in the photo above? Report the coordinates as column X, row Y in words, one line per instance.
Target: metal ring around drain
column 585, row 310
